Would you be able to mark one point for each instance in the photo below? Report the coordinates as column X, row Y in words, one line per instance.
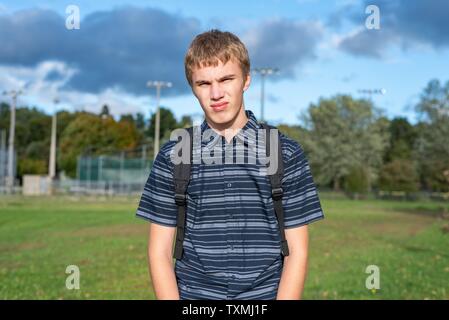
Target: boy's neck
column 230, row 129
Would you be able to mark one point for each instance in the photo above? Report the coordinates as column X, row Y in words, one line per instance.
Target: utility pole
column 3, row 164
column 263, row 73
column 12, row 129
column 52, row 162
column 158, row 85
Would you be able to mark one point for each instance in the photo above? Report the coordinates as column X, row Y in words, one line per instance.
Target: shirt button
column 232, row 247
column 229, row 185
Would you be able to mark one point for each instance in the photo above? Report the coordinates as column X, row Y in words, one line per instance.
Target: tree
column 432, row 149
column 127, row 117
column 32, row 166
column 186, row 121
column 344, row 134
column 167, row 123
column 296, row 133
column 100, row 134
column 104, row 111
column 356, row 182
column 88, row 133
column 140, row 122
column 402, row 140
column 32, row 138
column 399, row 175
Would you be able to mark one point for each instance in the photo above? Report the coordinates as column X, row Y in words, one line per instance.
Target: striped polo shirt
column 232, row 239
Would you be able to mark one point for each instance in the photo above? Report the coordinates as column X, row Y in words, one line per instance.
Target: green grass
column 40, row 237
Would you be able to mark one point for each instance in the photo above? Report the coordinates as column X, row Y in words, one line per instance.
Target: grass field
column 40, row 237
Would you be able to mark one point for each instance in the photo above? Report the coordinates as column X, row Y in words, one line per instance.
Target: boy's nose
column 216, row 91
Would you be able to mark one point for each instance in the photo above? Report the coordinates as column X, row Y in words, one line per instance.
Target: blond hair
column 210, row 47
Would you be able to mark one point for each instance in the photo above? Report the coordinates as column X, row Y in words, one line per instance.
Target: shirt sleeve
column 300, row 199
column 157, row 203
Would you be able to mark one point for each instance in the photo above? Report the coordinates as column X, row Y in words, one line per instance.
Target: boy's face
column 220, row 91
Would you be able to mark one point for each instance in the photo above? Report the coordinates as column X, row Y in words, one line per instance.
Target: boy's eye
column 202, row 84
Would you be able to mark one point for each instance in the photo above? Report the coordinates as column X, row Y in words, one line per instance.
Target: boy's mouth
column 219, row 106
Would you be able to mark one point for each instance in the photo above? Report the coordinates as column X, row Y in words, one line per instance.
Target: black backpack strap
column 181, row 179
column 276, row 186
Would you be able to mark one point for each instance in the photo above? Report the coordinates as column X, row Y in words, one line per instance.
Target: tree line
column 81, row 133
column 351, row 145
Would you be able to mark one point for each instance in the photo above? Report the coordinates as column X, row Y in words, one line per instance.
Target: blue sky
column 321, row 47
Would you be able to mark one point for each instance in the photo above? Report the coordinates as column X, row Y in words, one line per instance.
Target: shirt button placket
column 226, row 200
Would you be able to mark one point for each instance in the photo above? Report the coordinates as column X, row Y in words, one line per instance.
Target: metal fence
column 108, row 174
column 120, row 173
column 4, row 169
column 93, row 188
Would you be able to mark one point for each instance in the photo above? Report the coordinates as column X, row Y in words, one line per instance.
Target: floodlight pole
column 158, row 85
column 370, row 92
column 263, row 73
column 12, row 127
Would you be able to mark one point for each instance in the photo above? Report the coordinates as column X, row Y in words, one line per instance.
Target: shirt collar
column 244, row 135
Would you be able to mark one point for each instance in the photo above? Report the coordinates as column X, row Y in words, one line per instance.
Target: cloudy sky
column 322, row 48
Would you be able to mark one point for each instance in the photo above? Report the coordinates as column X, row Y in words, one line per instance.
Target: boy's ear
column 247, row 82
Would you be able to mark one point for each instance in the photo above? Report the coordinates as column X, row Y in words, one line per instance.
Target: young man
column 232, row 247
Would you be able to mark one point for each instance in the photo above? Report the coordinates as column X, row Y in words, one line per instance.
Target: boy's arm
column 295, row 264
column 160, row 246
column 301, row 206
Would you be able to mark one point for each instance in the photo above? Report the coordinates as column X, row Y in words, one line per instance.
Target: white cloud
column 33, row 81
column 336, row 38
column 40, row 90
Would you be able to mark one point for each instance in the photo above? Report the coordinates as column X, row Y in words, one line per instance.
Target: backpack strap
column 276, row 186
column 181, row 179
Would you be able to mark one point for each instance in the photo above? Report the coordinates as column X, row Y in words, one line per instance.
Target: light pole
column 370, row 92
column 52, row 162
column 158, row 85
column 12, row 130
column 263, row 73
